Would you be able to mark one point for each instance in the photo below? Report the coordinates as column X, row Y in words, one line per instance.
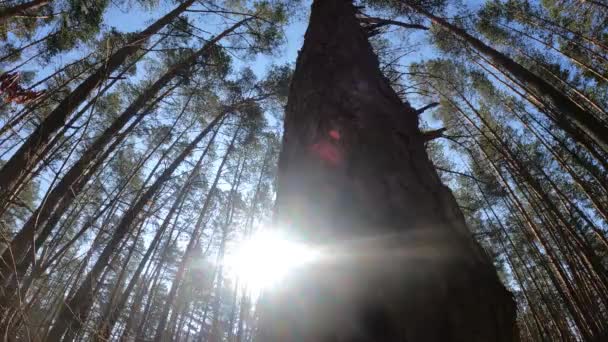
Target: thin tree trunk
column 217, row 334
column 70, row 186
column 243, row 315
column 503, row 148
column 555, row 29
column 564, row 230
column 25, row 244
column 568, row 110
column 583, row 184
column 80, row 302
column 66, row 191
column 127, row 333
column 575, row 60
column 24, row 159
column 234, row 306
column 575, row 134
column 111, row 316
column 160, row 334
column 103, row 329
column 533, row 234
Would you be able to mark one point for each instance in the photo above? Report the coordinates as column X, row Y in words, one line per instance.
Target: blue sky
column 136, row 18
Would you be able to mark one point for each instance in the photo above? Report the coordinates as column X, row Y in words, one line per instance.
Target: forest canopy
column 151, row 150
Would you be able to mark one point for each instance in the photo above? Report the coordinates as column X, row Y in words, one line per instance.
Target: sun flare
column 267, row 257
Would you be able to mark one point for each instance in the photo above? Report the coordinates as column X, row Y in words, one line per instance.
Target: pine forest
column 303, row 170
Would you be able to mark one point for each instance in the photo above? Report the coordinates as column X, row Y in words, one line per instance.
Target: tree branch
column 427, row 107
column 376, row 23
column 460, row 174
column 434, row 134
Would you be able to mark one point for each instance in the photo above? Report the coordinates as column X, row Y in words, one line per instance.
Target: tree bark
column 355, row 182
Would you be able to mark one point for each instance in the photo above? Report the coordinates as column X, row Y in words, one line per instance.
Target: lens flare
column 266, row 258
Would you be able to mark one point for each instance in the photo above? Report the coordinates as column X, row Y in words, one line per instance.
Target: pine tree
column 354, row 174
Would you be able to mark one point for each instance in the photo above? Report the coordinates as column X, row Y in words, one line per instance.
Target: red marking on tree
column 334, row 134
column 327, row 152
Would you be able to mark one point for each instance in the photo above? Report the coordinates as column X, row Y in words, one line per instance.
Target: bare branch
column 427, row 107
column 434, row 134
column 376, row 23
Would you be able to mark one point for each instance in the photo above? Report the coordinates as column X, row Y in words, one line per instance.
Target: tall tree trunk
column 217, row 332
column 24, row 159
column 102, row 328
column 355, row 181
column 243, row 315
column 568, row 111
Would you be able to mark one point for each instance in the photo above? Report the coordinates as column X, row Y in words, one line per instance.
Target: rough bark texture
column 355, row 180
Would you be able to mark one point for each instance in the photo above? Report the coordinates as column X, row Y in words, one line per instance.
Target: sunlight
column 266, row 258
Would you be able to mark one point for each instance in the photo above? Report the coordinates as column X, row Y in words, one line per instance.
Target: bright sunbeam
column 264, row 259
